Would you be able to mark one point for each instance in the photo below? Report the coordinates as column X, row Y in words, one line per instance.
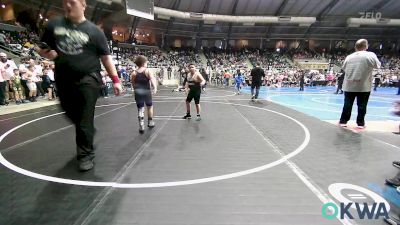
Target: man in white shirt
column 9, row 66
column 3, row 84
column 5, row 60
column 357, row 83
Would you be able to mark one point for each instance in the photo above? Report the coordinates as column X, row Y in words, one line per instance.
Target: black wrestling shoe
column 393, row 181
column 396, row 164
column 188, row 116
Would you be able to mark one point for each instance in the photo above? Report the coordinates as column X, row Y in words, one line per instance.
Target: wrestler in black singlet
column 142, row 90
column 194, row 90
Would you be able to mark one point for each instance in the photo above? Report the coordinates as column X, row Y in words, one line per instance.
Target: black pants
column 26, row 89
column 78, row 99
column 301, row 86
column 376, row 84
column 398, row 84
column 3, row 92
column 362, row 102
column 339, row 87
column 104, row 91
column 39, row 89
column 257, row 87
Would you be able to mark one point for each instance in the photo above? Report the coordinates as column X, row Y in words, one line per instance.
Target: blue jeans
column 227, row 81
column 257, row 87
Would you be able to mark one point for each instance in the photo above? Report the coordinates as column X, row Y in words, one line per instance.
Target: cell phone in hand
column 43, row 45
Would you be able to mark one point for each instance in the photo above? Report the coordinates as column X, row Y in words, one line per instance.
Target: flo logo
column 365, row 203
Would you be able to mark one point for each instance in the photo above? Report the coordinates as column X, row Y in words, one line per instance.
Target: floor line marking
column 314, row 188
column 169, row 116
column 101, row 199
column 295, row 152
column 172, row 119
column 341, row 104
column 16, row 117
column 383, row 142
column 323, row 110
column 49, row 133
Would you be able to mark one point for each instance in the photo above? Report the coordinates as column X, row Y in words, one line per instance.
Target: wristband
column 115, row 79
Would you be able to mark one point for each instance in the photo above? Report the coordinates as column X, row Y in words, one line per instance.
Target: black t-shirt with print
column 79, row 47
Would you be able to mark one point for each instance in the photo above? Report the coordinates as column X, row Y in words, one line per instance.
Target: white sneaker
column 151, row 124
column 141, row 126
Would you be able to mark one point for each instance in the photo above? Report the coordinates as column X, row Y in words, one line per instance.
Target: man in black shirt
column 76, row 45
column 257, row 76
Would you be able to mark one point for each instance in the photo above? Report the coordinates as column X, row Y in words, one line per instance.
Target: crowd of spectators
column 27, row 81
column 155, row 56
column 158, row 58
column 304, row 54
column 21, row 43
column 37, row 76
column 167, row 65
column 225, row 64
column 226, row 60
column 278, row 62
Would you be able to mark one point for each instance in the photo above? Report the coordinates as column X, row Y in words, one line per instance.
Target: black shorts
column 143, row 97
column 194, row 94
column 45, row 85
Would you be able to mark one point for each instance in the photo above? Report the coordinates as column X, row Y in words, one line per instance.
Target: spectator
column 340, row 79
column 17, row 87
column 358, row 82
column 2, row 85
column 47, row 80
column 257, row 75
column 31, row 83
column 9, row 66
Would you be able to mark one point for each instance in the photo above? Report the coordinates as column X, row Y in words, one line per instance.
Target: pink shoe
column 342, row 125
